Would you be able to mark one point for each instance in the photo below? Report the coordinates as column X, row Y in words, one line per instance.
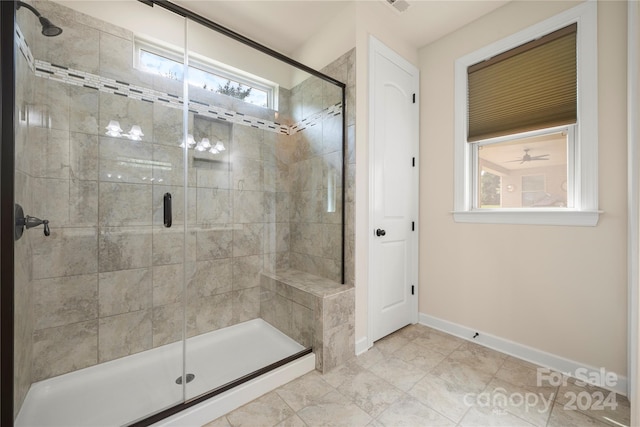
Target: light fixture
column 135, row 133
column 114, row 129
column 190, row 142
column 217, row 148
column 203, row 145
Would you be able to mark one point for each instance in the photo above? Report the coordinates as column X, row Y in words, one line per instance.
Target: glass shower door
column 241, row 142
column 99, row 296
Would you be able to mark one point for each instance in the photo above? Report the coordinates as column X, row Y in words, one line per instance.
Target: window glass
column 527, row 172
column 160, row 65
column 172, row 69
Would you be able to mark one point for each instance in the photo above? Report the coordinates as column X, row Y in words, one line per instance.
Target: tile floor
column 422, row 377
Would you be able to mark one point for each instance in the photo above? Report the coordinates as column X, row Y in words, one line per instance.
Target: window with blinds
column 530, row 87
column 526, row 125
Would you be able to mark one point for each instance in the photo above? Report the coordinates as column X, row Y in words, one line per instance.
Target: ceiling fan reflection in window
column 529, row 158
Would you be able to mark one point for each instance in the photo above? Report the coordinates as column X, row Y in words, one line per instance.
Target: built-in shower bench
column 312, row 310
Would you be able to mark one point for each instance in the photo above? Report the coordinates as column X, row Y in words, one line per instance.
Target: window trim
column 210, row 66
column 585, row 209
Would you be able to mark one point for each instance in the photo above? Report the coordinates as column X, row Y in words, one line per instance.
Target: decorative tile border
column 24, row 48
column 314, row 119
column 120, row 88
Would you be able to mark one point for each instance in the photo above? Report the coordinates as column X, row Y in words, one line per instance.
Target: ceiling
column 280, row 25
column 286, row 25
column 551, row 150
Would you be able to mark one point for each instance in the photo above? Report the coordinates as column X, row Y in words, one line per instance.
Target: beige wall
column 333, row 40
column 562, row 290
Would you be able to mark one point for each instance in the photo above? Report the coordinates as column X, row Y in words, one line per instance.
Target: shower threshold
column 124, row 390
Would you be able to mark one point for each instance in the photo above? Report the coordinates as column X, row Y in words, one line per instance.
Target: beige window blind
column 530, row 87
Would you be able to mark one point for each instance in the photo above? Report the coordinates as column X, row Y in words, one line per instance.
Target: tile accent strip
column 24, row 48
column 116, row 87
column 316, row 118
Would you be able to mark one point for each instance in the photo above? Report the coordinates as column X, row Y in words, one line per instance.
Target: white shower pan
column 124, row 390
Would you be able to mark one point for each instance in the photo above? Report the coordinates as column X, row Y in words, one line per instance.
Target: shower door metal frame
column 225, row 387
column 7, row 167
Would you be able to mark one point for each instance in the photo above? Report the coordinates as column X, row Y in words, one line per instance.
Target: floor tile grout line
column 447, row 357
column 405, row 394
column 553, row 405
column 295, row 413
column 494, row 377
column 428, row 372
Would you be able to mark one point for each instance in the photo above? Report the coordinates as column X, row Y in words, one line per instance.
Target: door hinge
column 413, row 290
column 413, row 226
column 413, row 162
column 414, row 98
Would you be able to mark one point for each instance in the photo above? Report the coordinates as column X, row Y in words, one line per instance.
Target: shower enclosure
column 172, row 163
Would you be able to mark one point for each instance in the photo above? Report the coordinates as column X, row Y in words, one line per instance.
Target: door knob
column 380, row 232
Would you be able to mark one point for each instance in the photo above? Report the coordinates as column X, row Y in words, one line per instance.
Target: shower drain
column 190, row 378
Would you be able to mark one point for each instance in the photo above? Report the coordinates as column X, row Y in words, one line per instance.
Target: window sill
column 529, row 217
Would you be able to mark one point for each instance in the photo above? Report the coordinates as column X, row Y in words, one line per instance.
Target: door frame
column 376, row 47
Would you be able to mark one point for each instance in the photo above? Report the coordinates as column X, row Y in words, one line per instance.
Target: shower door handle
column 167, row 210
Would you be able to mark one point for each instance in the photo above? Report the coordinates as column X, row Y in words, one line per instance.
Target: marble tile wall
column 108, row 281
column 304, row 298
column 315, row 171
column 343, row 69
column 317, row 312
column 305, row 161
column 92, row 277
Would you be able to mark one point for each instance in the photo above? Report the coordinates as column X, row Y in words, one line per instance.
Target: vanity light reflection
column 114, row 130
column 203, row 145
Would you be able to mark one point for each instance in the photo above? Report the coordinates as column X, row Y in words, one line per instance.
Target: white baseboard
column 539, row 357
column 217, row 406
column 362, row 345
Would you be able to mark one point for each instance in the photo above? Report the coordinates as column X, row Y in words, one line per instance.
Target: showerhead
column 48, row 29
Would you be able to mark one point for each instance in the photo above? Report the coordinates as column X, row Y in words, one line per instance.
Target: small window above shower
column 205, row 73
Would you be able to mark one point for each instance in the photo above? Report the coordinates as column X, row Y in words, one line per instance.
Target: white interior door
column 394, row 191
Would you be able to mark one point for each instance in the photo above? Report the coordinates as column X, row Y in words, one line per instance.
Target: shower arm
column 48, row 28
column 28, row 6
